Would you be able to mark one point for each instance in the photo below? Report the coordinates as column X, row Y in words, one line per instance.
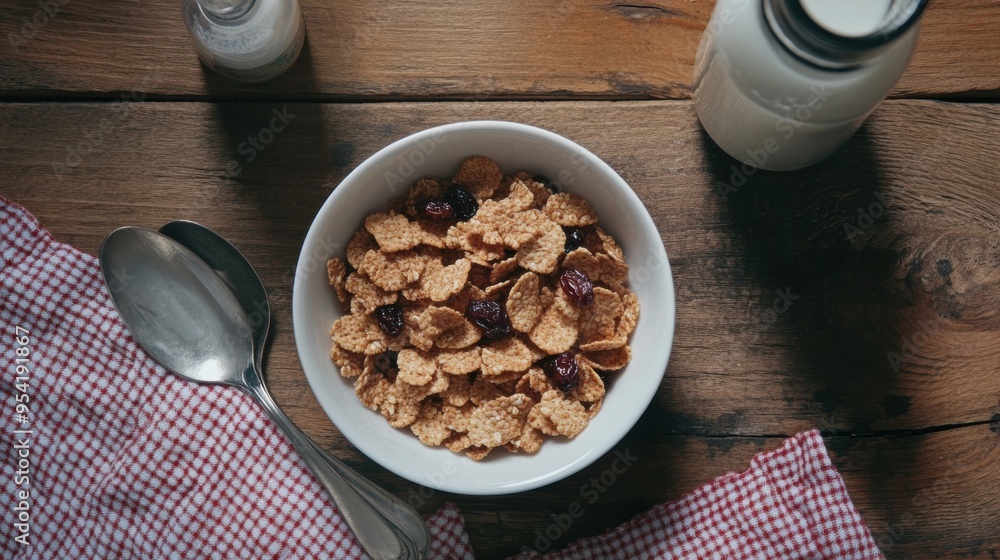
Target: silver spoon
column 236, row 271
column 185, row 317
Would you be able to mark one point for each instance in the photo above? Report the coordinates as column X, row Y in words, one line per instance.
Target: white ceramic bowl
column 437, row 152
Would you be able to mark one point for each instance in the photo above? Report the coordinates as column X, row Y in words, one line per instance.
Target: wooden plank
column 890, row 326
column 380, row 49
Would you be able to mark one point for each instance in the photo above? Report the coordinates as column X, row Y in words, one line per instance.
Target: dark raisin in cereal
column 390, row 319
column 546, row 182
column 462, row 201
column 563, row 370
column 438, row 210
column 574, row 238
column 578, row 287
column 490, row 317
column 385, row 362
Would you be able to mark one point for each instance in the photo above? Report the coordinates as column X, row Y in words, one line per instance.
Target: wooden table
column 891, row 344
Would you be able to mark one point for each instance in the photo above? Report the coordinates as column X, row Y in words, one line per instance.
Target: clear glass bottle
column 781, row 84
column 246, row 40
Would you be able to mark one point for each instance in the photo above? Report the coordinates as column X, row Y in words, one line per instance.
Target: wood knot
column 956, row 274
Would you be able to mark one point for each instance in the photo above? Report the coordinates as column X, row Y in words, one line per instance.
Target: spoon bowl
column 234, row 270
column 164, row 285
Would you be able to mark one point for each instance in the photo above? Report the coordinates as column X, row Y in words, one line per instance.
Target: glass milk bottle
column 781, row 84
column 246, row 40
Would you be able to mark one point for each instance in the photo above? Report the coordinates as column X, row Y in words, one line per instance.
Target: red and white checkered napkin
column 129, row 461
column 791, row 504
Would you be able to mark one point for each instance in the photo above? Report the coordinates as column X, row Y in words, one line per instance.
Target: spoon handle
column 375, row 533
column 405, row 518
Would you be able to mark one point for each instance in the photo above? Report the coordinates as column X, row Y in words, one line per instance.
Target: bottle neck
column 226, row 11
column 815, row 43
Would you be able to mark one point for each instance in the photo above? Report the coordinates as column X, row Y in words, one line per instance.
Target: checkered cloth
column 128, row 461
column 791, row 504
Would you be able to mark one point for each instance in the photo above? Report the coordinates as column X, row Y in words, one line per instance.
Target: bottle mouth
column 226, row 10
column 807, row 39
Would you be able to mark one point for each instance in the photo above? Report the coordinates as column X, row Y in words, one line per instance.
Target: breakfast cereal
column 483, row 312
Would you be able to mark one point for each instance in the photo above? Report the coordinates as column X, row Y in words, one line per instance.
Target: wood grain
column 920, row 281
column 476, row 49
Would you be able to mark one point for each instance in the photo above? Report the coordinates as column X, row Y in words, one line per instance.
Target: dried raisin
column 490, row 317
column 546, row 182
column 462, row 202
column 574, row 238
column 563, row 370
column 438, row 210
column 390, row 319
column 578, row 287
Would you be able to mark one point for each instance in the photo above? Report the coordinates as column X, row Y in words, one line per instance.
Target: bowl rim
column 622, row 188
